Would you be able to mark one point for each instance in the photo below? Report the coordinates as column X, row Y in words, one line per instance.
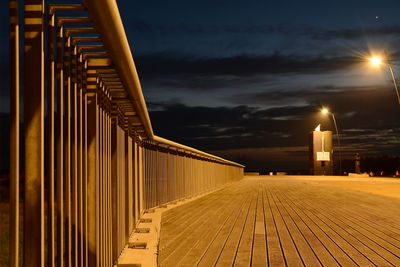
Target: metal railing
column 92, row 162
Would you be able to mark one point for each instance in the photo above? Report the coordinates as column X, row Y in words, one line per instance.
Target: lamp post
column 376, row 61
column 326, row 111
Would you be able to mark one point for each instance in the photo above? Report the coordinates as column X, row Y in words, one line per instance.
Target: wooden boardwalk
column 287, row 221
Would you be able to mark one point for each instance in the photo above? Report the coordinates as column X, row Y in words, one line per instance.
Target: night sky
column 245, row 80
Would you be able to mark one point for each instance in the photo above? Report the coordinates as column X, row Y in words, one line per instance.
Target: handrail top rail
column 193, row 150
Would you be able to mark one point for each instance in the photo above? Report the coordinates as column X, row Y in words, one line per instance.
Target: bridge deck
column 287, row 221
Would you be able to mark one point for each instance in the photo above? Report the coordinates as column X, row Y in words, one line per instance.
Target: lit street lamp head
column 324, row 111
column 376, row 61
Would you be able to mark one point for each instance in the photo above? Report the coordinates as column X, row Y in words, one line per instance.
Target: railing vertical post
column 34, row 235
column 105, row 185
column 105, row 181
column 104, row 162
column 110, row 221
column 141, row 189
column 97, row 181
column 92, row 229
column 50, row 156
column 152, row 176
column 104, row 166
column 128, row 185
column 114, row 185
column 156, row 175
column 126, row 190
column 136, row 178
column 67, row 147
column 80, row 159
column 85, row 172
column 184, row 175
column 74, row 157
column 60, row 149
column 100, row 165
column 144, row 176
column 167, row 175
column 175, row 177
column 14, row 134
column 148, row 162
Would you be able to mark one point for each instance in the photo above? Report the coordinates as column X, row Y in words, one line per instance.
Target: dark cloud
column 366, row 104
column 312, row 94
column 174, row 70
column 147, row 27
column 353, row 33
column 170, row 63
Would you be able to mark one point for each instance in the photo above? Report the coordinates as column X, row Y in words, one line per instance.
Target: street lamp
column 325, row 111
column 377, row 61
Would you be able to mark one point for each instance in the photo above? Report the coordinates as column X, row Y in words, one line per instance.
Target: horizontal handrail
column 108, row 22
column 196, row 151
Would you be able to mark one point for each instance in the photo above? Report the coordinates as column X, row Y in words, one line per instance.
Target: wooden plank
column 306, row 253
column 259, row 257
column 377, row 252
column 186, row 215
column 188, row 210
column 191, row 226
column 327, row 240
column 178, row 226
column 179, row 211
column 177, row 249
column 318, row 248
column 289, row 248
column 244, row 252
column 373, row 211
column 359, row 253
column 207, row 250
column 340, row 240
column 227, row 255
column 389, row 249
column 274, row 248
column 375, row 228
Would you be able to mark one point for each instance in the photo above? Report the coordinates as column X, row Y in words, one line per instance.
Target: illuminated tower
column 321, row 152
